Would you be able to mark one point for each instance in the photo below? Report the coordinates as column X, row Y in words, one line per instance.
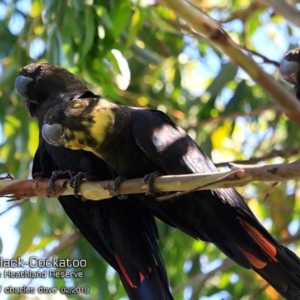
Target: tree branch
column 200, row 279
column 13, row 206
column 284, row 153
column 288, row 11
column 238, row 175
column 69, row 240
column 222, row 118
column 217, row 37
column 246, row 12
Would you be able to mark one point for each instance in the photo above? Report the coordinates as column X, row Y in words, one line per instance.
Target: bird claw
column 55, row 175
column 116, row 187
column 149, row 180
column 76, row 180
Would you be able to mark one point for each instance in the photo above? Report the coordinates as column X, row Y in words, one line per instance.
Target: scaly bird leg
column 116, row 187
column 57, row 174
column 149, row 180
column 76, row 180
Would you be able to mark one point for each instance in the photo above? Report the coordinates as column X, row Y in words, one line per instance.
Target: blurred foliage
column 137, row 53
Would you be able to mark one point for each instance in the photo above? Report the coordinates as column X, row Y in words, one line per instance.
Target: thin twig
column 13, row 206
column 227, row 263
column 252, row 113
column 259, row 292
column 201, row 278
column 282, row 7
column 218, row 38
column 185, row 29
column 284, row 153
column 289, row 239
column 245, row 13
column 68, row 240
column 264, row 58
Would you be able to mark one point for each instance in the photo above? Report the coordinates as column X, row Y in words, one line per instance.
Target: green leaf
column 90, row 26
column 135, row 23
column 102, row 13
column 227, row 73
column 239, row 96
column 120, row 18
column 29, row 227
column 281, row 213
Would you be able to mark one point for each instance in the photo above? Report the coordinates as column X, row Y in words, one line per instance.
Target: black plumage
column 136, row 142
column 123, row 232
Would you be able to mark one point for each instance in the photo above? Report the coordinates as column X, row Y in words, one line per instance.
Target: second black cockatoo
column 124, row 233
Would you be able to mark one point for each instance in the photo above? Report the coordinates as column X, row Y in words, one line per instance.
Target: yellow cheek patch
column 96, row 126
column 75, row 140
column 104, row 120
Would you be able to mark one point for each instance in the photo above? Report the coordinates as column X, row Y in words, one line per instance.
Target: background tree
column 139, row 53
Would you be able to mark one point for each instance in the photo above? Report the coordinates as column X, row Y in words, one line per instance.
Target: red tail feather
column 268, row 248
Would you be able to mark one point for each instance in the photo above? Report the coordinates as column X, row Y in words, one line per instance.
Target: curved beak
column 289, row 70
column 53, row 134
column 21, row 83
